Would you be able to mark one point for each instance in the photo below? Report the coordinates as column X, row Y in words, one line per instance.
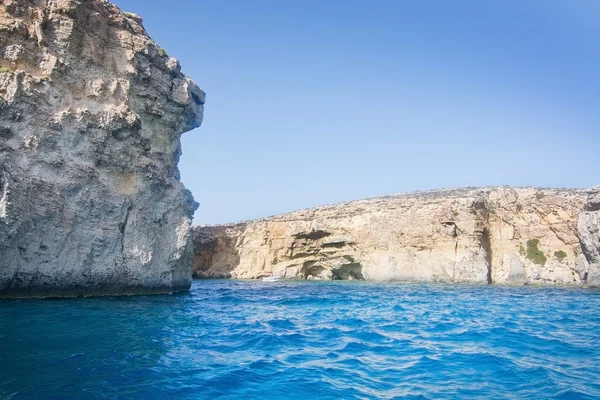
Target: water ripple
column 317, row 340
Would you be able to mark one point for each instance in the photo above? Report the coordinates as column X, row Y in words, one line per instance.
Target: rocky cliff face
column 487, row 235
column 91, row 112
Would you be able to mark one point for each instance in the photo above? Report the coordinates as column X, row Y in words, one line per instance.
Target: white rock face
column 91, row 112
column 486, row 235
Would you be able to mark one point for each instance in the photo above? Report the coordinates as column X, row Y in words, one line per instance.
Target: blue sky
column 314, row 102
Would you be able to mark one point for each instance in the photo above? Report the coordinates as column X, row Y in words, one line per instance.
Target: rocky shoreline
column 498, row 235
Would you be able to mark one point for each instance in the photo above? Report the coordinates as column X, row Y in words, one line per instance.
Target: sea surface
column 306, row 340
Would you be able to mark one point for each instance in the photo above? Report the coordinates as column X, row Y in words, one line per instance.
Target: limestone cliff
column 91, row 112
column 476, row 235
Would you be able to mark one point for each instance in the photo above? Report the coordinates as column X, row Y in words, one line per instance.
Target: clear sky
column 320, row 101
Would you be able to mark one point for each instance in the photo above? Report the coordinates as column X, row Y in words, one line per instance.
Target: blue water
column 234, row 339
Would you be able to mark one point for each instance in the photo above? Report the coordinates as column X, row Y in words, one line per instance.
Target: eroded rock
column 476, row 235
column 588, row 226
column 91, row 112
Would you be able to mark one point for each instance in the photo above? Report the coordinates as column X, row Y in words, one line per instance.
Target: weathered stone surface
column 477, row 235
column 91, row 112
column 588, row 226
column 215, row 251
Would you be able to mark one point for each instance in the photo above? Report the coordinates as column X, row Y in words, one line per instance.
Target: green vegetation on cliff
column 533, row 253
column 561, row 255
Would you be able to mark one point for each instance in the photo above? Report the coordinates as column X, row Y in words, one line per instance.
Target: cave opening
column 352, row 271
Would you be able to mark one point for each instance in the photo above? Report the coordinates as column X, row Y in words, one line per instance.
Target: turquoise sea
column 306, row 340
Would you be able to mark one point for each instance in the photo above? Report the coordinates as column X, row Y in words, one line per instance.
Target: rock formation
column 476, row 235
column 91, row 112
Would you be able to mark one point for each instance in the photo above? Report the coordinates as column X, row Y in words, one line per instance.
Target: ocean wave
column 329, row 340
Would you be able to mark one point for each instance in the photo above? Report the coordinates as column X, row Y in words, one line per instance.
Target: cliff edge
column 91, row 112
column 496, row 235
